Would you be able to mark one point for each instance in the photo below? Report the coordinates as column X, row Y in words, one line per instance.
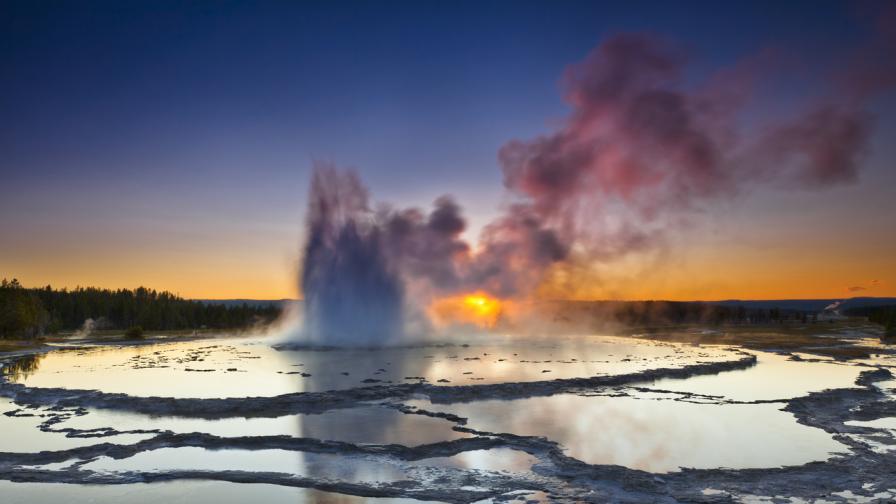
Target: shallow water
column 175, row 492
column 248, row 367
column 23, row 434
column 497, row 459
column 773, row 377
column 654, row 432
column 314, row 465
column 370, row 424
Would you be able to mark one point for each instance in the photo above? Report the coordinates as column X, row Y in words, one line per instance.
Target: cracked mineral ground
column 581, row 418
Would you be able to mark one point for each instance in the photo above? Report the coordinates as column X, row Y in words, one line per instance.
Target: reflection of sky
column 174, row 492
column 364, row 424
column 773, row 377
column 232, row 367
column 654, row 435
column 314, row 465
column 22, row 434
column 171, row 146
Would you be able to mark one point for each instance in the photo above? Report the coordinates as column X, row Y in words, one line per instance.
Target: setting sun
column 477, row 308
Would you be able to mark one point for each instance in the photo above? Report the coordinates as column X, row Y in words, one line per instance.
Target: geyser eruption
column 641, row 151
column 352, row 296
column 369, row 275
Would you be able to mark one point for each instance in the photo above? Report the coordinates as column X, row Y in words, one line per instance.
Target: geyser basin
column 458, row 422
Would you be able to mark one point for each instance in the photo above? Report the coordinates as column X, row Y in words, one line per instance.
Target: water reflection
column 650, row 430
column 654, row 435
column 22, row 367
column 22, row 434
column 377, row 426
column 364, row 424
column 175, row 492
column 773, row 377
column 496, row 459
column 312, row 465
column 247, row 367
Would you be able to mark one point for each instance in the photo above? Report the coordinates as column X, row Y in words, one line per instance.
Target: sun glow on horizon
column 477, row 308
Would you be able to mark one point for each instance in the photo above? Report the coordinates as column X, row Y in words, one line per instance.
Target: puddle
column 314, row 465
column 880, row 423
column 23, row 435
column 773, row 377
column 175, row 492
column 654, row 435
column 372, row 425
column 498, row 459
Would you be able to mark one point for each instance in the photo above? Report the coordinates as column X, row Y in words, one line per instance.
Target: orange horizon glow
column 808, row 265
column 801, row 282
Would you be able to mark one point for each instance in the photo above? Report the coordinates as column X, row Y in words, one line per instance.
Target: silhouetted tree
column 21, row 312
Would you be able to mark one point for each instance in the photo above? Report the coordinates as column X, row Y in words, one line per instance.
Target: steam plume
column 638, row 136
column 640, row 147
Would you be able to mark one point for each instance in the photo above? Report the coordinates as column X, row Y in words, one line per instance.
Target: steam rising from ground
column 86, row 329
column 639, row 150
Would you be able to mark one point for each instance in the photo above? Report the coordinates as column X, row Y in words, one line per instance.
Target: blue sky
column 153, row 122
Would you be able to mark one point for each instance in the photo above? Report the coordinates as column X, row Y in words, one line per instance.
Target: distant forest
column 27, row 312
column 883, row 315
column 649, row 313
column 659, row 313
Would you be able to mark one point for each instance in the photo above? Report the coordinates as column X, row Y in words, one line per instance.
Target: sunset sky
column 170, row 144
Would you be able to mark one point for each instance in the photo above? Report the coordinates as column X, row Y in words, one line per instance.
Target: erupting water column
column 352, row 295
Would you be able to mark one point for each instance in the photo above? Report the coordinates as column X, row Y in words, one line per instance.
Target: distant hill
column 806, row 305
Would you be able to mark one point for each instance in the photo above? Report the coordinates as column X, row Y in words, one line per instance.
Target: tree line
column 883, row 315
column 651, row 313
column 30, row 312
column 636, row 313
